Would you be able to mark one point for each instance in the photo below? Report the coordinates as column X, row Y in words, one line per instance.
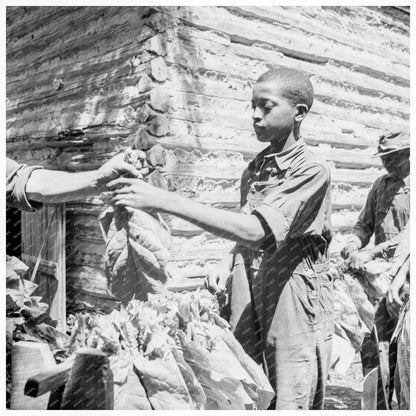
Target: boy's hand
column 135, row 193
column 114, row 168
column 217, row 278
column 393, row 301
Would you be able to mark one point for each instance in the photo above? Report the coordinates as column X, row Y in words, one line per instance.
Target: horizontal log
column 236, row 114
column 294, row 16
column 244, row 62
column 195, row 107
column 334, row 25
column 326, row 84
column 320, row 107
column 350, row 176
column 351, row 159
column 242, row 30
column 390, row 105
column 316, row 130
column 119, row 19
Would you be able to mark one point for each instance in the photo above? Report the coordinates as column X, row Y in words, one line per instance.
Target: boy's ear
column 302, row 111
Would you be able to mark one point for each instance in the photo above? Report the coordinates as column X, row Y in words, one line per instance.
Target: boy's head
column 281, row 99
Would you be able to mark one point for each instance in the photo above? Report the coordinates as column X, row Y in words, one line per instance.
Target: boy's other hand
column 217, row 278
column 135, row 193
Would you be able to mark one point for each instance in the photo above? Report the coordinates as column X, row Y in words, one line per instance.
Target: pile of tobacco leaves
column 172, row 351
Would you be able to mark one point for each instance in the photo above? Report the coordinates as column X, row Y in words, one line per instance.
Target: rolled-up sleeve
column 17, row 176
column 295, row 207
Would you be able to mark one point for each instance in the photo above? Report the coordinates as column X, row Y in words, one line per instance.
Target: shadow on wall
column 85, row 75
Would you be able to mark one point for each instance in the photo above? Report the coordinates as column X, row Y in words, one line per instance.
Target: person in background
column 398, row 305
column 28, row 187
column 281, row 302
column 384, row 215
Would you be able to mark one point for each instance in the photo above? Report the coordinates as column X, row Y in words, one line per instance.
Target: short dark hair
column 296, row 86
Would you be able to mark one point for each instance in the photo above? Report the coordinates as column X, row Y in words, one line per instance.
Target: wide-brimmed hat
column 393, row 142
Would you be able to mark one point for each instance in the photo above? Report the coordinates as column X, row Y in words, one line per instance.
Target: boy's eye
column 265, row 108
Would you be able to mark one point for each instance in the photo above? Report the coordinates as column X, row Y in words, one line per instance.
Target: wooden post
column 28, row 359
column 90, row 382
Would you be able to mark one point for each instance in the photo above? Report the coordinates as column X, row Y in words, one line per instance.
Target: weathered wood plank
column 96, row 69
column 346, row 25
column 244, row 31
column 351, row 176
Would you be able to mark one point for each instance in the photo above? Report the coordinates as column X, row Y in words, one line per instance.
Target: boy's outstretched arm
column 134, row 193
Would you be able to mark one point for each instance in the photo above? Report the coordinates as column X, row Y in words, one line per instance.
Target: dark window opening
column 14, row 232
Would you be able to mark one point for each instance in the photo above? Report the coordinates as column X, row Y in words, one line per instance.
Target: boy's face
column 273, row 114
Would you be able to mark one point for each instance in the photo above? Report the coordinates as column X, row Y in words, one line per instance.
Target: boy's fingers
column 120, row 181
column 124, row 190
column 121, row 202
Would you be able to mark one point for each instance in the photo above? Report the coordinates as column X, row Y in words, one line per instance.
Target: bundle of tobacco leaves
column 137, row 242
column 174, row 352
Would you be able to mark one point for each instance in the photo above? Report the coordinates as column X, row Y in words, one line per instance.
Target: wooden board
column 51, row 276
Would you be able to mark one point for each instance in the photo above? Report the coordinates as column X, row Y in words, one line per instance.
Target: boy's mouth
column 258, row 127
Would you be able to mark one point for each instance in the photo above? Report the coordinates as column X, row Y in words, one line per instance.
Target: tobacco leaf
column 137, row 252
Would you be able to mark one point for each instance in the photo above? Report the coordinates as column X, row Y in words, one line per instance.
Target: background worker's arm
column 364, row 227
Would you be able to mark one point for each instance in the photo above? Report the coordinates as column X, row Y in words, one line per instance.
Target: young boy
column 281, row 303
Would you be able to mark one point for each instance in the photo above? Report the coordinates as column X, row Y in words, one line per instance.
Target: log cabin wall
column 82, row 82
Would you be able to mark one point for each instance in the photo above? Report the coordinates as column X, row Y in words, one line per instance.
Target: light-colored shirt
column 291, row 192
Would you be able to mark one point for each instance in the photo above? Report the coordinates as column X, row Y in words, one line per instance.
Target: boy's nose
column 257, row 114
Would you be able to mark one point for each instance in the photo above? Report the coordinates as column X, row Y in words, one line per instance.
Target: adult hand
column 393, row 301
column 358, row 259
column 135, row 193
column 349, row 249
column 217, row 277
column 116, row 167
